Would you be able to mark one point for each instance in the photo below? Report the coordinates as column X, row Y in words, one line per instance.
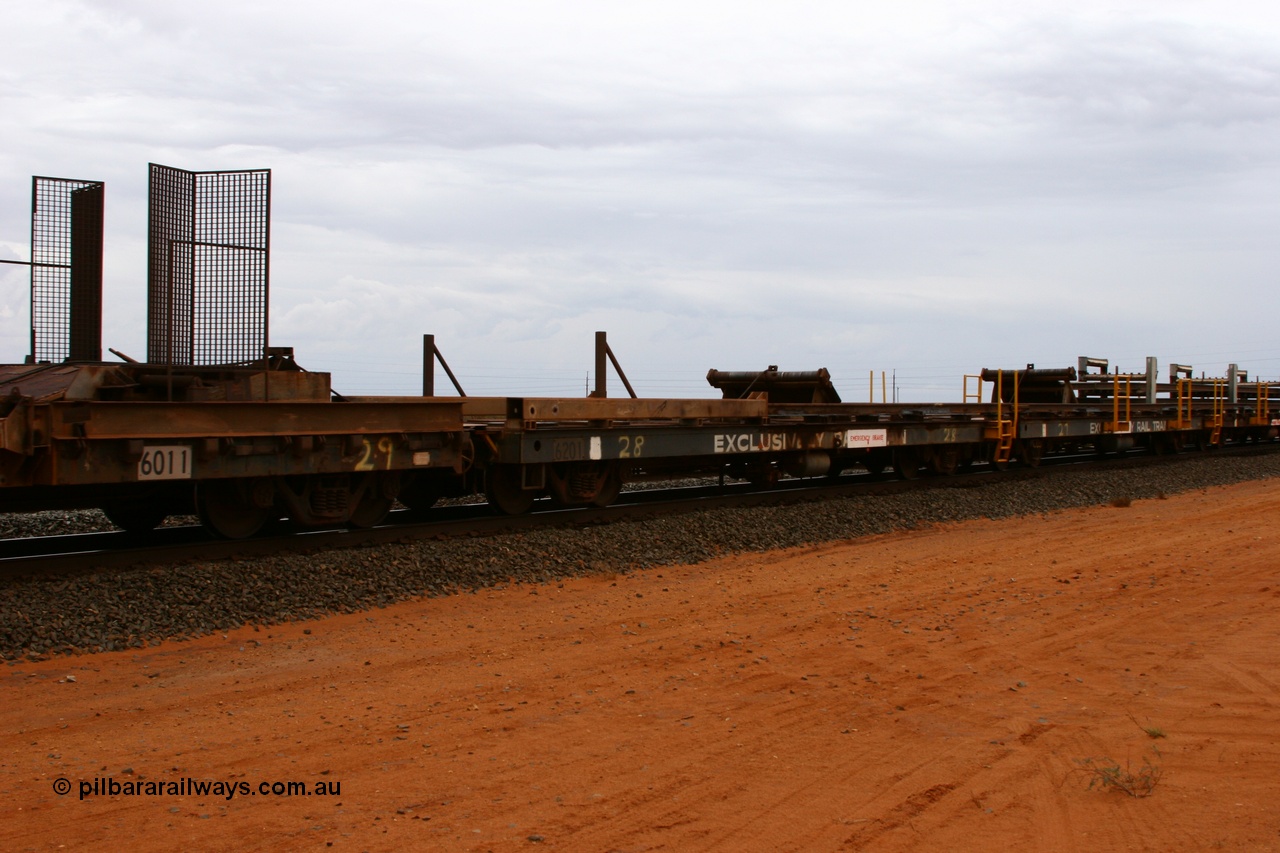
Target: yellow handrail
column 1184, row 404
column 1006, row 429
column 1115, row 402
column 1219, row 409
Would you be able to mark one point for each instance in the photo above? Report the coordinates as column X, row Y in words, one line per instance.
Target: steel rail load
column 581, row 451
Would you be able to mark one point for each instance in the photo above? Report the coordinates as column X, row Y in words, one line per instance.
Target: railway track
column 148, row 598
column 70, row 554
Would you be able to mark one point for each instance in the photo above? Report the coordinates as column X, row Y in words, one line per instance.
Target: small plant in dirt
column 1107, row 774
column 1152, row 732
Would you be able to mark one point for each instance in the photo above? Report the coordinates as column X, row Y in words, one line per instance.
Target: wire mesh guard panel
column 207, row 276
column 66, row 269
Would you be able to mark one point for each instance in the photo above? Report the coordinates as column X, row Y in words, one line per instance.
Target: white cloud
column 851, row 184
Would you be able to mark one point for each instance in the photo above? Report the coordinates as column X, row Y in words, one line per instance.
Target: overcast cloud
column 930, row 188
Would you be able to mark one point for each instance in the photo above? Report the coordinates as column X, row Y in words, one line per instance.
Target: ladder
column 1121, row 416
column 1219, row 411
column 1005, row 428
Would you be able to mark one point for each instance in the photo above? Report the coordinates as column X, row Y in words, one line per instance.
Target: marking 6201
column 568, row 450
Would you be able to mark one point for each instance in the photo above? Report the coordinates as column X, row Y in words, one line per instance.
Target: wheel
column 906, row 463
column 609, row 489
column 875, row 461
column 232, row 509
column 945, row 461
column 418, row 495
column 136, row 516
column 373, row 502
column 1030, row 452
column 505, row 492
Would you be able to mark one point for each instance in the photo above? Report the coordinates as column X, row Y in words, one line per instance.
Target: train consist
column 242, row 445
column 218, row 423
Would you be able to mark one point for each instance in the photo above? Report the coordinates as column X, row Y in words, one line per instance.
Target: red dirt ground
column 930, row 690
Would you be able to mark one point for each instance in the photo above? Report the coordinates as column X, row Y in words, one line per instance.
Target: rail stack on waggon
column 217, row 422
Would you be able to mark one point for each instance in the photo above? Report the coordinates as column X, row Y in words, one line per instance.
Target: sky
column 917, row 189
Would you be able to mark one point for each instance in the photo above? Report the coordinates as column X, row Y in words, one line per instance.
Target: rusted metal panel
column 553, row 409
column 200, row 420
column 267, row 385
column 85, row 328
column 559, row 409
column 484, row 409
column 641, row 442
column 40, row 382
column 936, row 434
column 15, row 430
column 166, row 459
column 888, row 412
column 52, row 382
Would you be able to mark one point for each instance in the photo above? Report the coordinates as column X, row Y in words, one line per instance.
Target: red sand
column 929, row 690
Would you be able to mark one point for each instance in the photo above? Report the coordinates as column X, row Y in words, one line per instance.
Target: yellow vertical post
column 1219, row 409
column 1006, row 429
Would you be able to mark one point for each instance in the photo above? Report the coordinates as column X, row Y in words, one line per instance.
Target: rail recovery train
column 241, row 445
column 218, row 423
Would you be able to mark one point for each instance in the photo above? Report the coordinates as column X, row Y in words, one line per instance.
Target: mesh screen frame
column 66, row 269
column 208, row 270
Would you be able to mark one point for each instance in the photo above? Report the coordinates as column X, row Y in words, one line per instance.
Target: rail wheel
column 945, row 461
column 1030, row 452
column 906, row 463
column 418, row 495
column 609, row 489
column 875, row 462
column 234, row 509
column 372, row 502
column 764, row 478
column 136, row 516
column 504, row 488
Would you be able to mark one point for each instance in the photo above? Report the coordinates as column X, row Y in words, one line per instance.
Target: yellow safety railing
column 871, row 387
column 1183, row 420
column 1262, row 414
column 1219, row 410
column 973, row 396
column 1117, row 424
column 1005, row 428
column 1216, row 416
